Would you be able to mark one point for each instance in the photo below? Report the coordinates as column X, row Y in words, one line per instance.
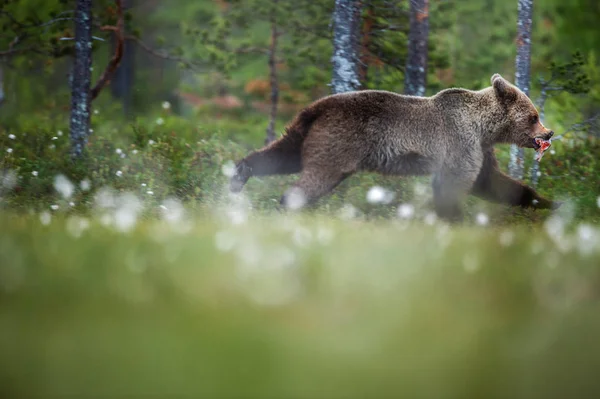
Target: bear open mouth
column 540, row 145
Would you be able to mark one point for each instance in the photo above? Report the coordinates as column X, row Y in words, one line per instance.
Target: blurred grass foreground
column 295, row 306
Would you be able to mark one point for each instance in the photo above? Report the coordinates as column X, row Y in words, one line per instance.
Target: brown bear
column 449, row 135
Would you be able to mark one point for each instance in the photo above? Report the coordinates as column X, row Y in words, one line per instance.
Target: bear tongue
column 543, row 146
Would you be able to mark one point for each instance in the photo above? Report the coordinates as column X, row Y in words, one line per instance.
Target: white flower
column 63, row 186
column 348, row 211
column 430, row 218
column 150, row 192
column 96, row 112
column 134, row 152
column 118, row 151
column 295, row 198
column 91, row 130
column 160, row 121
column 151, row 142
column 406, row 211
column 119, row 173
column 54, row 207
column 166, row 105
column 54, row 138
column 228, row 169
column 71, row 204
column 9, row 150
column 143, row 184
column 45, row 218
column 85, row 184
column 34, row 173
column 59, row 133
column 12, row 136
column 379, row 195
column 482, row 219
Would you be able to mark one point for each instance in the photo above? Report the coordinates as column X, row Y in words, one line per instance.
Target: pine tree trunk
column 522, row 75
column 80, row 87
column 365, row 41
column 1, row 83
column 346, row 31
column 415, row 76
column 273, row 82
column 122, row 82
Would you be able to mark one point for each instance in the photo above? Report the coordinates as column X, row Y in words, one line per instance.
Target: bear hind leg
column 450, row 187
column 313, row 184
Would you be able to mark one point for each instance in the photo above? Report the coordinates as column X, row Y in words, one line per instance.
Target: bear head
column 519, row 119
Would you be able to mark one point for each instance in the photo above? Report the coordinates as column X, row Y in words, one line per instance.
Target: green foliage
column 175, row 159
column 294, row 307
column 39, row 27
column 211, row 34
column 150, row 158
column 569, row 77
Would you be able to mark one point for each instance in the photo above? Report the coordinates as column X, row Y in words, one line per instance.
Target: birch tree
column 346, row 28
column 415, row 75
column 522, row 75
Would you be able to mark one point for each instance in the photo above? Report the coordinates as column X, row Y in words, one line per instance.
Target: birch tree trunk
column 80, row 87
column 346, row 30
column 415, row 75
column 522, row 75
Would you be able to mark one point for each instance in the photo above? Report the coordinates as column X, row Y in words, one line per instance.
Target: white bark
column 522, row 75
column 345, row 55
column 415, row 75
column 80, row 88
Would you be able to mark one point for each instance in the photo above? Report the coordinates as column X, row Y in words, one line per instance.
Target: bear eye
column 534, row 119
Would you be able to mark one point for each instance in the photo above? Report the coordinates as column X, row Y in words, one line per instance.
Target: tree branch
column 160, row 53
column 581, row 126
column 110, row 69
column 251, row 50
column 14, row 51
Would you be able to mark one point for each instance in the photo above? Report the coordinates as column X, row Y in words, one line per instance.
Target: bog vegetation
column 131, row 269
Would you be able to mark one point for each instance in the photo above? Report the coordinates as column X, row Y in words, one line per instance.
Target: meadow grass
column 297, row 306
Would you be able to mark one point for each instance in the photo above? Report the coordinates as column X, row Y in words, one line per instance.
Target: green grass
column 297, row 306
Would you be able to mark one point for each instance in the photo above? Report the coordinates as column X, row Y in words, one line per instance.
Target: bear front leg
column 493, row 185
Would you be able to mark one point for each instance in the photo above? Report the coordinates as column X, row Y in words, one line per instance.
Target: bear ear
column 503, row 89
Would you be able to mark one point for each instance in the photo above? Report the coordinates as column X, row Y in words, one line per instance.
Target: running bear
column 449, row 135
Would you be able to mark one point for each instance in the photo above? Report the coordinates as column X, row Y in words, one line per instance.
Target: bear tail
column 281, row 157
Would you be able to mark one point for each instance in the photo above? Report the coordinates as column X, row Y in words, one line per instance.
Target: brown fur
column 450, row 135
